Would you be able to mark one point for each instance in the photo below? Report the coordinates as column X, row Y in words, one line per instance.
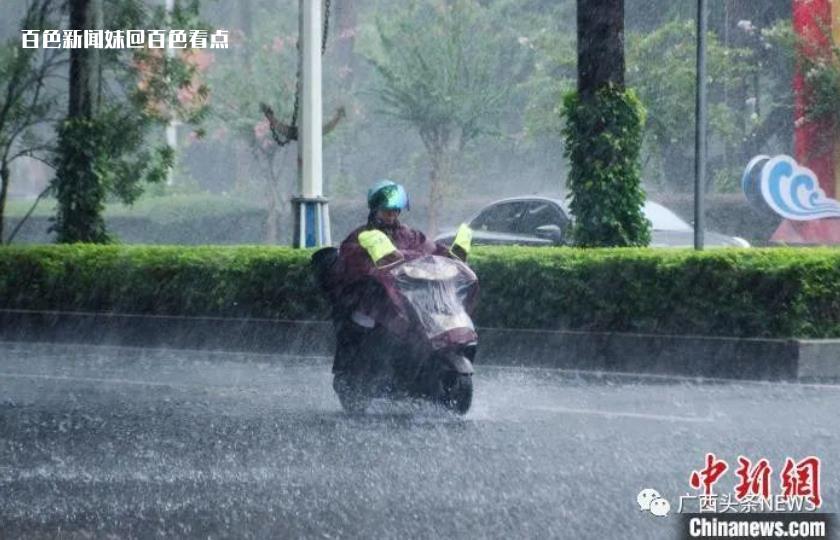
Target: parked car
column 543, row 221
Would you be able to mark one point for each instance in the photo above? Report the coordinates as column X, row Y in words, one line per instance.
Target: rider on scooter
column 383, row 239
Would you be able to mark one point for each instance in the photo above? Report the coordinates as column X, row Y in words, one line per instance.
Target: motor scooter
column 406, row 330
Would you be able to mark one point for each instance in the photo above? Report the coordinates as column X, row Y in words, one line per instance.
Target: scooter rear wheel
column 456, row 391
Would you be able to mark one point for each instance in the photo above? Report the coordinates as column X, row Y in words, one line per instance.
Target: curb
column 693, row 356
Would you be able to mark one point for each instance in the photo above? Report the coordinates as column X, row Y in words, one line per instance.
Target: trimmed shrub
column 723, row 292
column 749, row 293
column 162, row 280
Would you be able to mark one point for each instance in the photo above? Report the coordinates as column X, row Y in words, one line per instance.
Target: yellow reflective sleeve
column 463, row 238
column 376, row 243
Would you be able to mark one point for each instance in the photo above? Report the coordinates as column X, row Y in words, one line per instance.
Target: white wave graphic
column 794, row 192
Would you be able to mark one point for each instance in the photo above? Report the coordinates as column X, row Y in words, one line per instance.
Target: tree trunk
column 242, row 174
column 272, row 191
column 84, row 63
column 600, row 44
column 242, row 153
column 79, row 192
column 271, row 220
column 345, row 40
column 5, row 178
column 434, row 188
column 439, row 177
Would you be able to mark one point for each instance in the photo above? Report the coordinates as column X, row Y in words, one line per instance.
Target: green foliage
column 755, row 293
column 26, row 100
column 167, row 87
column 79, row 192
column 544, row 34
column 780, row 293
column 111, row 152
column 824, row 78
column 212, row 281
column 21, row 103
column 439, row 64
column 667, row 88
column 821, row 69
column 97, row 156
column 603, row 140
column 554, row 74
column 774, row 55
column 261, row 70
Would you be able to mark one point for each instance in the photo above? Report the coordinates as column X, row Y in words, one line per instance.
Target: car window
column 539, row 213
column 501, row 217
column 662, row 219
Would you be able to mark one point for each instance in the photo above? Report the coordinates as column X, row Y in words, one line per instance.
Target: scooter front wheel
column 456, row 391
column 351, row 393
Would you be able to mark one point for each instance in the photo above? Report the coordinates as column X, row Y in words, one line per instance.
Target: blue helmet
column 387, row 195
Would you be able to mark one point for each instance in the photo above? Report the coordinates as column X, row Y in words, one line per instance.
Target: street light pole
column 700, row 127
column 312, row 221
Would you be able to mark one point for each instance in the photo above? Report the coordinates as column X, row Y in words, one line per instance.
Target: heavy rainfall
column 557, row 292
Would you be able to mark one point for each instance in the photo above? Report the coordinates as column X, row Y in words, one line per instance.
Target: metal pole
column 302, row 7
column 312, row 172
column 311, row 207
column 700, row 127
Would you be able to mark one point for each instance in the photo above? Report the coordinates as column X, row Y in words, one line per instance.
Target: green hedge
column 160, row 280
column 724, row 292
column 757, row 292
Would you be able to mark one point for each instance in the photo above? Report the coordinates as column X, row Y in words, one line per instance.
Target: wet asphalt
column 106, row 442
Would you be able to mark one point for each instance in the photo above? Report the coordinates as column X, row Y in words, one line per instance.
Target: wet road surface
column 119, row 442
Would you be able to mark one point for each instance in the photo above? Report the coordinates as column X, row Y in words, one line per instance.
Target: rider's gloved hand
column 463, row 242
column 378, row 246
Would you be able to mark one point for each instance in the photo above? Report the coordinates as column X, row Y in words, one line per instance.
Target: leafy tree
column 256, row 99
column 80, row 192
column 821, row 71
column 439, row 67
column 749, row 92
column 26, row 100
column 263, row 72
column 667, row 88
column 774, row 52
column 104, row 144
column 553, row 75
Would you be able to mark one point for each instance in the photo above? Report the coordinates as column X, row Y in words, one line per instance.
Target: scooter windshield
column 437, row 289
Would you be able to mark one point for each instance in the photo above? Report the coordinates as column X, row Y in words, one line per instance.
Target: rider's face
column 388, row 217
